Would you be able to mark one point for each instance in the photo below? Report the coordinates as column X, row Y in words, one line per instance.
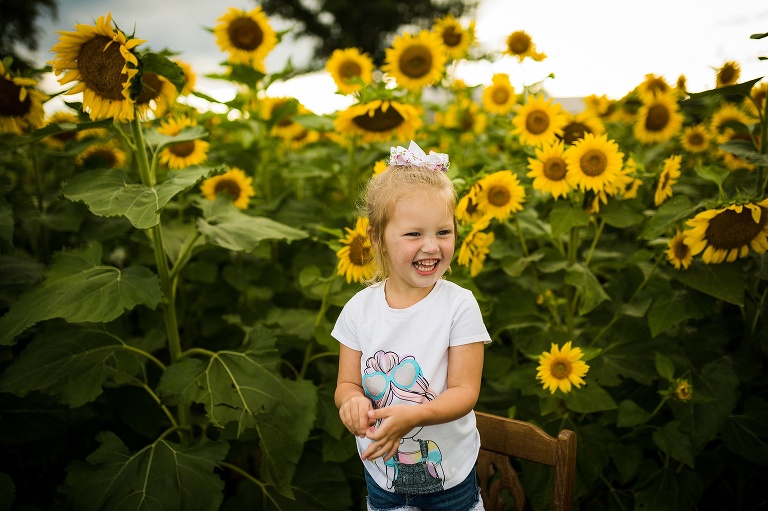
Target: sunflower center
column 10, row 106
column 680, row 250
column 150, row 88
column 729, row 229
column 100, row 158
column 500, row 96
column 416, row 61
column 380, row 121
column 228, row 185
column 467, row 121
column 664, row 180
column 537, row 122
column 696, row 139
column 658, row 118
column 350, row 69
column 593, row 162
column 101, row 66
column 554, row 169
column 519, row 43
column 359, row 253
column 451, row 37
column 561, row 369
column 727, row 74
column 182, row 149
column 499, row 196
column 574, row 131
column 245, row 34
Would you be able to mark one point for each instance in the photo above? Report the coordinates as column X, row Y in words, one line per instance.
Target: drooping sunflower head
column 101, row 156
column 356, row 262
column 246, row 36
column 562, row 368
column 500, row 194
column 670, row 173
column 182, row 154
column 475, row 246
column 102, row 60
column 380, row 120
column 678, row 253
column 416, row 61
column 539, row 121
column 156, row 96
column 593, row 163
column 467, row 209
column 520, row 45
column 728, row 74
column 658, row 120
column 695, row 139
column 578, row 125
column 548, row 170
column 653, row 85
column 455, row 37
column 350, row 69
column 726, row 234
column 21, row 104
column 233, row 183
column 499, row 97
column 190, row 78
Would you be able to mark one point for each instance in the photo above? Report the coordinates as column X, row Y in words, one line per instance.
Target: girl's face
column 419, row 241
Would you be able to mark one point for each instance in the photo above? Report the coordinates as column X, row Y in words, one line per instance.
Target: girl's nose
column 430, row 245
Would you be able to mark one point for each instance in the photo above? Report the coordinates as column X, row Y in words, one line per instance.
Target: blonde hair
column 381, row 195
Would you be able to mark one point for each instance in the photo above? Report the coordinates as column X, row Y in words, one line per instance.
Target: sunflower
column 539, row 121
column 467, row 209
column 416, row 61
column 157, row 94
column 658, row 120
column 475, row 246
column 21, row 105
column 350, row 64
column 246, row 36
column 500, row 194
column 599, row 105
column 678, row 253
column 668, row 177
column 681, row 85
column 724, row 121
column 695, row 139
column 683, row 389
column 653, row 85
column 465, row 116
column 380, row 120
column 756, row 105
column 182, row 154
column 286, row 128
column 548, row 170
column 561, row 368
column 593, row 163
column 727, row 233
column 102, row 60
column 456, row 38
column 190, row 78
column 499, row 97
column 234, row 182
column 356, row 260
column 301, row 138
column 577, row 125
column 520, row 45
column 101, row 156
column 728, row 74
column 59, row 140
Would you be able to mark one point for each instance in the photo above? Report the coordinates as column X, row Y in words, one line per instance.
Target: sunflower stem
column 598, row 232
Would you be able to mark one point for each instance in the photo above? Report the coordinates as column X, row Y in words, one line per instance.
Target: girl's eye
column 446, row 232
column 412, row 234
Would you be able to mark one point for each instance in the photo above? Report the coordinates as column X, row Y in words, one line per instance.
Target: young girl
column 411, row 347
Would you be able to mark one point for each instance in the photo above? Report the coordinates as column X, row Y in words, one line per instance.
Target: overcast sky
column 592, row 46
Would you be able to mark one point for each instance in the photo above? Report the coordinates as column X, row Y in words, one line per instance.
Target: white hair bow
column 415, row 156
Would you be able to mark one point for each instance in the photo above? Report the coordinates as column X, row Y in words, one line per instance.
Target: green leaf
column 672, row 307
column 676, row 443
column 746, row 434
column 589, row 398
column 665, row 367
column 631, row 414
column 620, row 214
column 160, row 64
column 564, row 216
column 188, row 134
column 740, row 90
column 79, row 289
column 110, row 193
column 72, row 364
column 226, row 226
column 514, row 266
column 716, row 174
column 162, row 475
column 724, row 281
column 746, row 151
column 669, row 489
column 591, row 293
column 676, row 209
column 314, row 122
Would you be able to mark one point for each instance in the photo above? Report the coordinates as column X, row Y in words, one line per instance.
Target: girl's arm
column 465, row 368
column 350, row 398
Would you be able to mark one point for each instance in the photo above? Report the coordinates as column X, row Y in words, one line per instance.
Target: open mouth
column 426, row 265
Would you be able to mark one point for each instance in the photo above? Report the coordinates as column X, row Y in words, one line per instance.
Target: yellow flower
column 356, row 262
column 520, row 45
column 456, row 38
column 380, row 121
column 695, row 139
column 539, row 121
column 500, row 194
column 593, row 163
column 722, row 123
column 234, row 183
column 678, row 253
column 726, row 234
column 757, row 102
column 476, row 246
column 559, row 369
column 190, row 78
column 599, row 105
column 379, row 167
column 465, row 116
column 577, row 125
column 683, row 390
column 658, row 120
column 350, row 64
column 669, row 175
column 548, row 170
column 301, row 138
column 499, row 98
column 416, row 61
column 21, row 105
column 246, row 36
column 182, row 154
column 101, row 156
column 102, row 60
column 157, row 94
column 467, row 209
column 653, row 85
column 728, row 74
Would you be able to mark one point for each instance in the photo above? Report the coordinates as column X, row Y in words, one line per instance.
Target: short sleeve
column 345, row 329
column 467, row 325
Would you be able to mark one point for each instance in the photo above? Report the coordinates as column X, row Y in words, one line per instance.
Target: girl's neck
column 405, row 296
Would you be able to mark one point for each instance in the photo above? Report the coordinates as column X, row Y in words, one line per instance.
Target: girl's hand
column 354, row 414
column 396, row 422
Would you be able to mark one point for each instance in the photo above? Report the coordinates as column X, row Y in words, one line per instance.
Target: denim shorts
column 462, row 497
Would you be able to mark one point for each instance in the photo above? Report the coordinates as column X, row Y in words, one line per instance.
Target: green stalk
column 308, row 355
column 598, row 232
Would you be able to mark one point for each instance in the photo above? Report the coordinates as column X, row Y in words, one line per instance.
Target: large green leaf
column 590, row 398
column 565, row 216
column 673, row 307
column 244, row 387
column 674, row 441
column 228, row 227
column 161, row 476
column 111, row 193
column 591, row 293
column 71, row 363
column 669, row 215
column 746, row 434
column 620, row 214
column 79, row 289
column 155, row 138
column 725, row 281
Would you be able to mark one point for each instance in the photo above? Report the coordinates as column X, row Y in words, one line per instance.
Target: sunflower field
column 169, row 277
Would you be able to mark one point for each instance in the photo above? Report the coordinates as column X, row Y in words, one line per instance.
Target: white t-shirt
column 405, row 361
